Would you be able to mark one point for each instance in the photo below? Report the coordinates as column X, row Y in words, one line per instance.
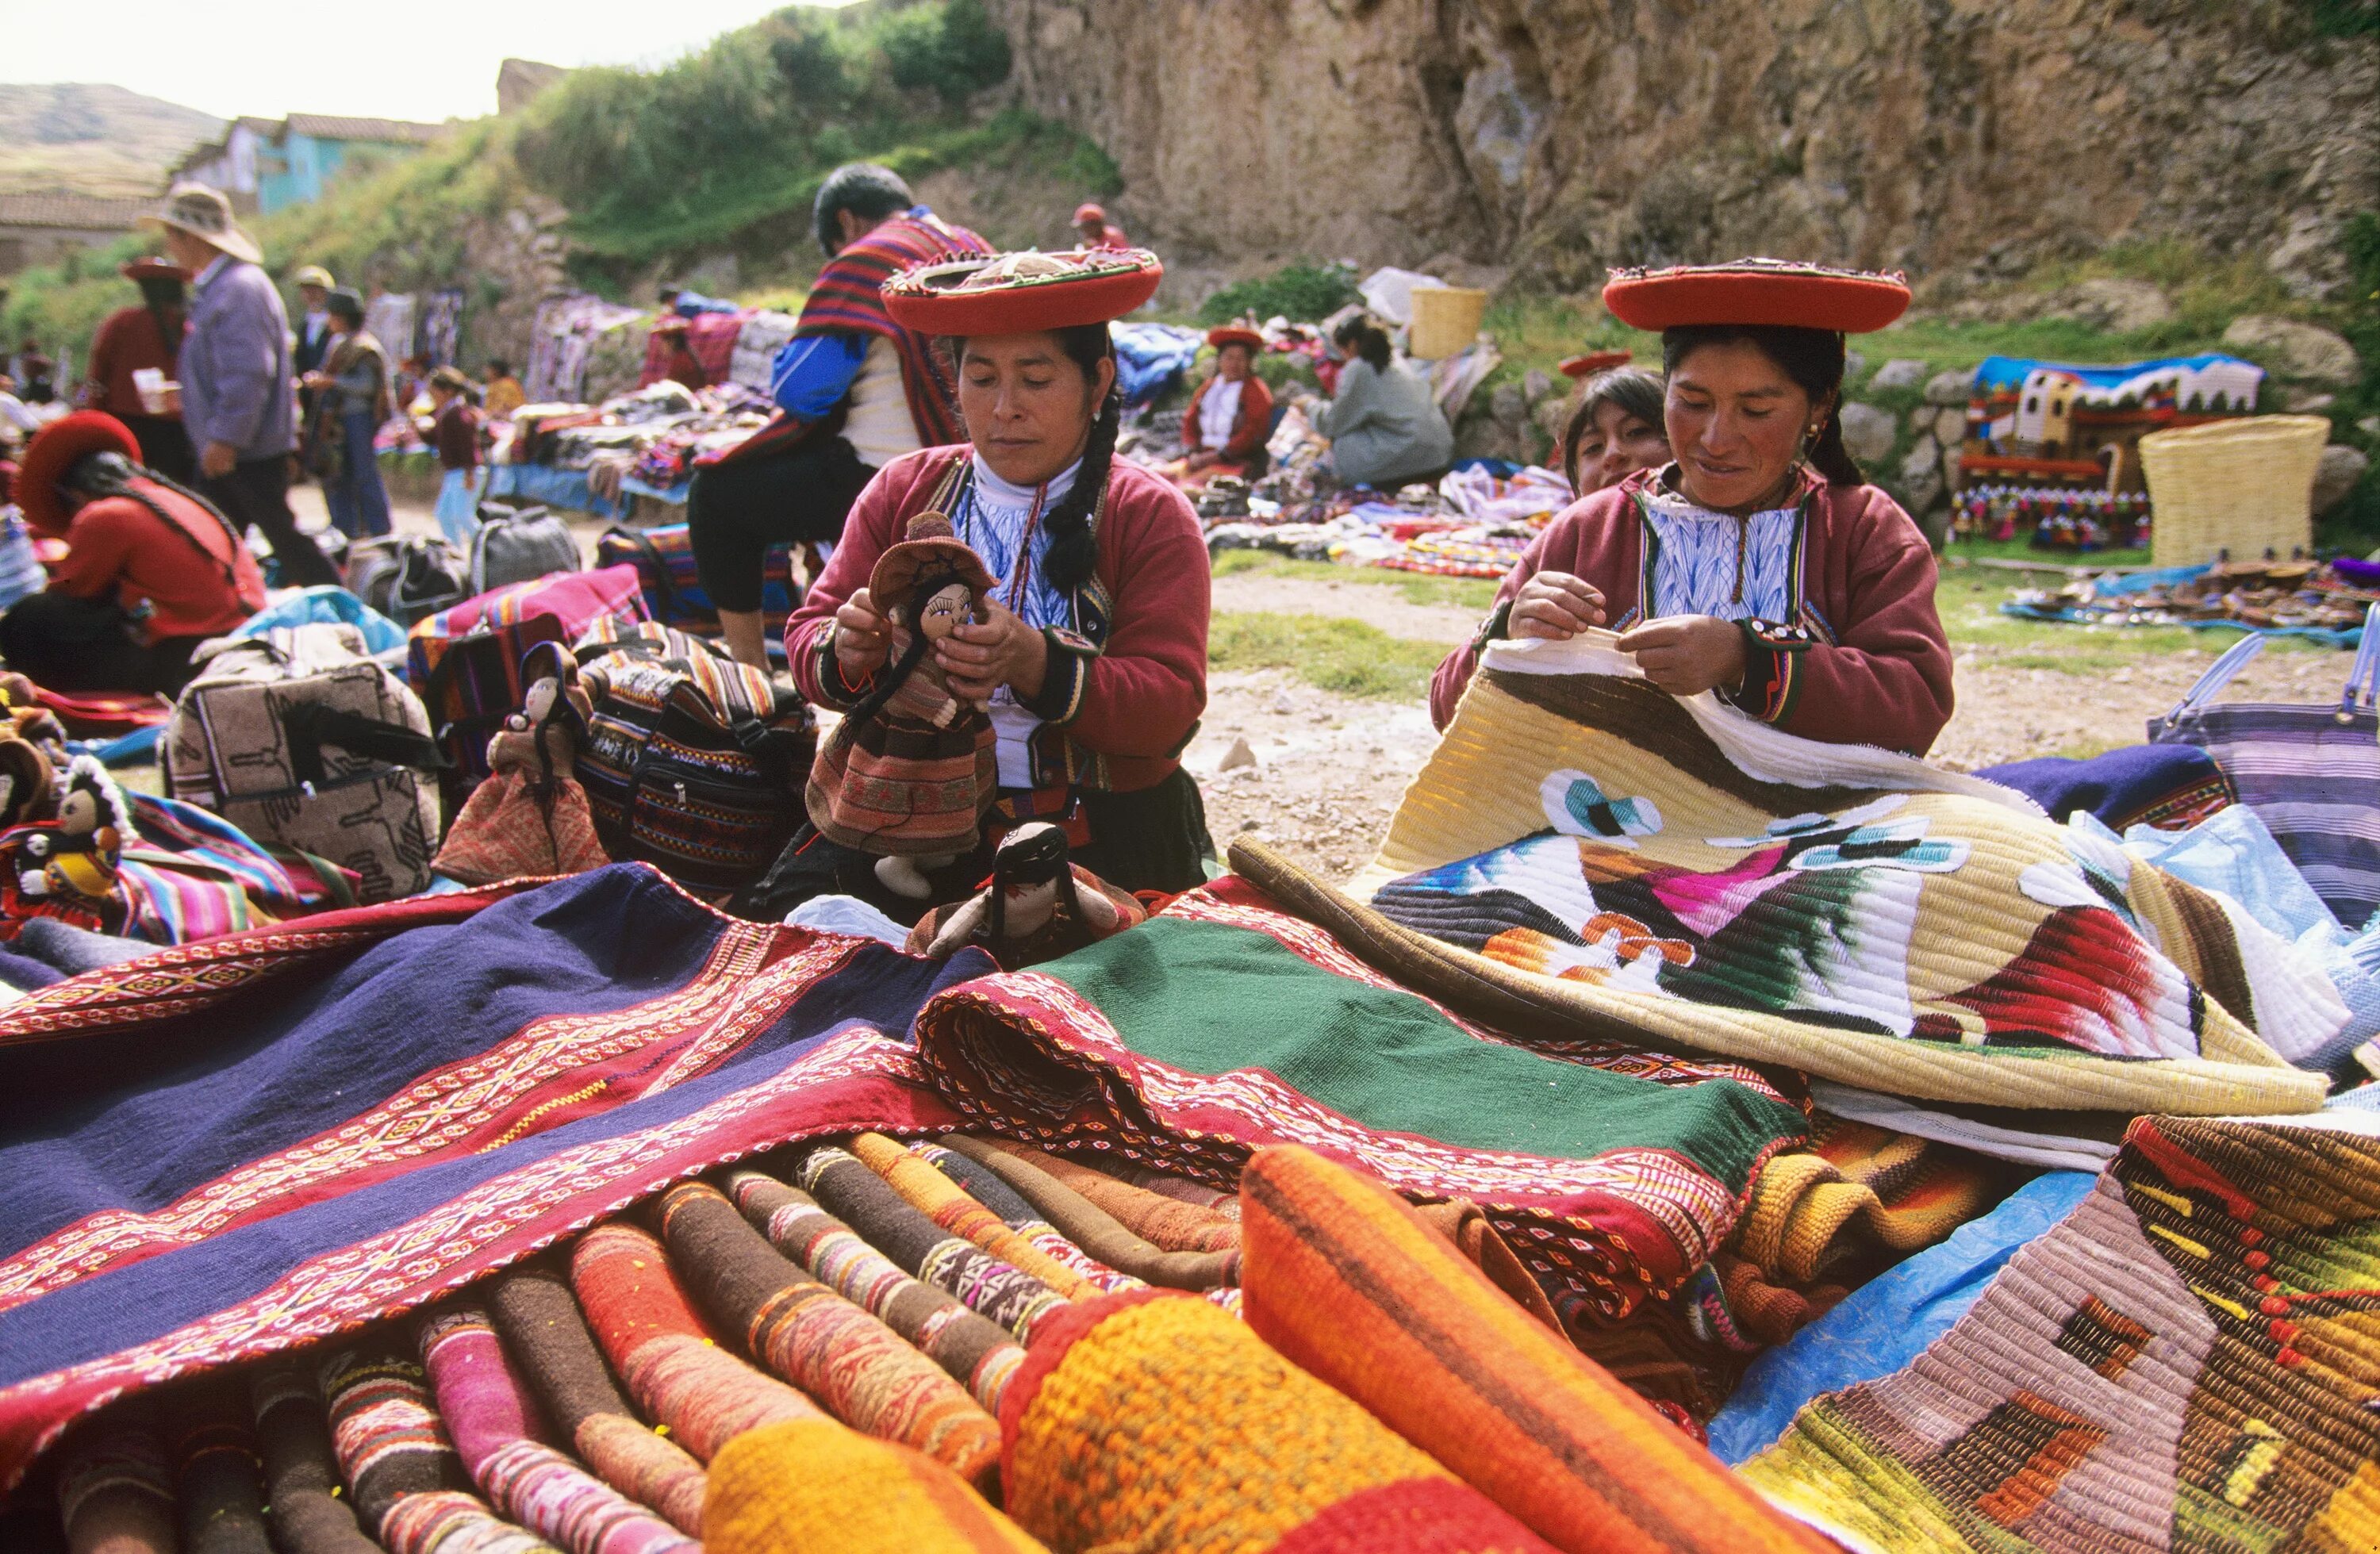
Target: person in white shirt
column 1230, row 418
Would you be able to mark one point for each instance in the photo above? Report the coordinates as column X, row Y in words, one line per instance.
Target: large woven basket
column 2244, row 486
column 1445, row 320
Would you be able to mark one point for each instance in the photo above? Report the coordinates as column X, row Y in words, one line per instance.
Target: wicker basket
column 1445, row 320
column 2244, row 486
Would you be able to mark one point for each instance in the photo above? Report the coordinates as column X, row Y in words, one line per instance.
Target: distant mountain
column 92, row 139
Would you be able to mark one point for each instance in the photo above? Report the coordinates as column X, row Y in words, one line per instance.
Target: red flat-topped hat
column 1235, row 335
column 53, row 451
column 1757, row 291
column 1021, row 292
column 930, row 546
column 1587, row 366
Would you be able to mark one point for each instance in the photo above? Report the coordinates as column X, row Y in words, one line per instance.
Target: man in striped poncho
column 853, row 392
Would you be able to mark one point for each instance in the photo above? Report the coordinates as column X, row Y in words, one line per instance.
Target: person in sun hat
column 1093, row 229
column 151, row 569
column 236, row 377
column 1223, row 431
column 146, row 335
column 1093, row 651
column 1757, row 563
column 315, row 287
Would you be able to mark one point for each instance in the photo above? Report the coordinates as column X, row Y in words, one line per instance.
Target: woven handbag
column 2311, row 773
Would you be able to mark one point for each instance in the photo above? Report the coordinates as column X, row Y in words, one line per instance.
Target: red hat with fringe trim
column 1235, row 335
column 1089, row 210
column 1757, row 291
column 53, row 451
column 149, row 267
column 1593, row 362
column 1021, row 292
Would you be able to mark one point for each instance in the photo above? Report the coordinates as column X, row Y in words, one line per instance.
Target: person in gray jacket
column 237, row 395
column 1384, row 425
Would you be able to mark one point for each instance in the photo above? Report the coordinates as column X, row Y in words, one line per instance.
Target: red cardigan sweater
column 1879, row 671
column 1249, row 428
column 1130, row 707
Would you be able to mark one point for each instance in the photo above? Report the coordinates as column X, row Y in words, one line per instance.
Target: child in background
column 455, row 433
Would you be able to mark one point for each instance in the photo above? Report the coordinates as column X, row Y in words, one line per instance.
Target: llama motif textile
column 2191, row 1360
column 1678, row 870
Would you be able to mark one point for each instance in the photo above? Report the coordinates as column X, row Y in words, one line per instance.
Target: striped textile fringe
column 1156, row 1218
column 302, row 1472
column 449, row 1522
column 818, row 1488
column 831, row 1349
column 1094, row 1229
column 1000, row 1291
column 1022, row 1217
column 1348, row 1282
column 212, row 1439
column 675, row 1370
column 977, row 1352
column 116, row 1492
column 487, row 1411
column 932, row 1194
column 546, row 1333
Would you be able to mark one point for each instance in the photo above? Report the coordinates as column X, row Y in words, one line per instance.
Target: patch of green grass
column 1463, row 593
column 1345, row 657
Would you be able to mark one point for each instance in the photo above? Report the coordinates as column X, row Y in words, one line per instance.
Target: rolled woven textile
column 998, row 1290
column 675, row 1371
column 494, row 1422
column 1023, row 1218
column 977, row 1352
column 860, row 1369
column 815, row 1487
column 1094, row 1229
column 546, row 1336
column 115, row 1486
column 449, row 1522
column 933, row 1195
column 217, row 1477
column 1151, row 1420
column 1348, row 1282
column 1165, row 1219
column 388, row 1438
column 301, row 1473
column 1854, row 1189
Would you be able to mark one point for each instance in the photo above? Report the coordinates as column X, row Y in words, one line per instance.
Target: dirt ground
column 1330, row 770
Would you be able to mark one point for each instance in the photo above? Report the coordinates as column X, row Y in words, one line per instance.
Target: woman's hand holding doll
column 979, row 657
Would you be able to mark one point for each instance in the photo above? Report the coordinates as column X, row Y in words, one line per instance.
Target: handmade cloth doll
column 28, row 783
column 71, row 861
column 530, row 816
column 910, row 771
column 1036, row 907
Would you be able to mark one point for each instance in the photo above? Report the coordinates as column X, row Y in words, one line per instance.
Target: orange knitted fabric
column 1153, row 1421
column 811, row 1487
column 1162, row 1221
column 1348, row 1282
column 933, row 1195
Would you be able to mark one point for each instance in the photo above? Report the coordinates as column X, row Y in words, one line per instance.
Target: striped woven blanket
column 1586, row 848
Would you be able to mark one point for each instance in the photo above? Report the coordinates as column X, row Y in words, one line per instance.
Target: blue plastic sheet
column 1888, row 1322
column 137, row 748
column 556, row 488
column 1150, row 356
column 326, row 603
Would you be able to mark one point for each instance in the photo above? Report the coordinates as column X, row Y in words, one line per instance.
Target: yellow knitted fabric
column 812, row 1485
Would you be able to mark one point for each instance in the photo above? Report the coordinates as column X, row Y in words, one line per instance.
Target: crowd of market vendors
column 938, row 395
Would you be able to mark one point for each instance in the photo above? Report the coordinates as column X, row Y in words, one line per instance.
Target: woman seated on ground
column 1759, row 565
column 1094, row 659
column 1616, row 428
column 150, row 571
column 1223, row 431
column 1384, row 424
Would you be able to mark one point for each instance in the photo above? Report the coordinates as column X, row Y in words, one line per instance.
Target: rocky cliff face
column 1559, row 136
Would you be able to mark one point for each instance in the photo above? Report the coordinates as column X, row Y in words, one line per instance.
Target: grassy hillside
column 92, row 139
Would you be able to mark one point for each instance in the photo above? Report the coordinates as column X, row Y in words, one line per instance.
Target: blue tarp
column 1150, row 356
column 326, row 603
column 556, row 488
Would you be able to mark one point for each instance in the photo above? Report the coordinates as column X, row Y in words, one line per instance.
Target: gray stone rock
column 1238, row 756
column 2304, row 402
column 1921, row 477
column 1536, row 385
column 1552, row 413
column 2340, row 467
column 1949, row 426
column 1953, row 387
column 1853, row 365
column 2110, row 303
column 1900, row 373
column 2368, row 425
column 2296, row 350
column 1508, row 405
column 1868, row 432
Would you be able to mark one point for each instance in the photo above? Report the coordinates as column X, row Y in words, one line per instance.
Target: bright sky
column 229, row 57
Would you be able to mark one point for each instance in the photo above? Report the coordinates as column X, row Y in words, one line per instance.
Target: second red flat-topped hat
column 1587, row 366
column 1757, row 291
column 1235, row 335
column 1021, row 292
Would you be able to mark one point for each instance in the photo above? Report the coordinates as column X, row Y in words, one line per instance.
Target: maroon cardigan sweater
column 1133, row 705
column 1249, row 428
column 1878, row 671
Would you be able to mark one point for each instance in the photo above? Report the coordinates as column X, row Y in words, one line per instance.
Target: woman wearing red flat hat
column 131, row 339
column 151, row 570
column 1758, row 564
column 1093, row 658
column 1223, row 431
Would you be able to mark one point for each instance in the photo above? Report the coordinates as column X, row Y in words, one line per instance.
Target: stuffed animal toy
column 908, row 773
column 72, row 860
column 28, row 783
column 23, row 716
column 530, row 816
column 1036, row 907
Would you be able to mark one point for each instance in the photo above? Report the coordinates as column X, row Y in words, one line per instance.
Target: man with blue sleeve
column 854, row 390
column 238, row 401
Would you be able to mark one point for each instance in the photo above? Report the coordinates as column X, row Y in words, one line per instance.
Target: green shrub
column 1304, row 291
column 952, row 49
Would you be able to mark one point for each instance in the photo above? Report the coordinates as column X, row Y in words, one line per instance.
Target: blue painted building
column 307, row 151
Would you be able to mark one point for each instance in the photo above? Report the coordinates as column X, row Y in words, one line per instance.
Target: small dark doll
column 1038, row 905
column 908, row 773
column 530, row 816
column 72, row 860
